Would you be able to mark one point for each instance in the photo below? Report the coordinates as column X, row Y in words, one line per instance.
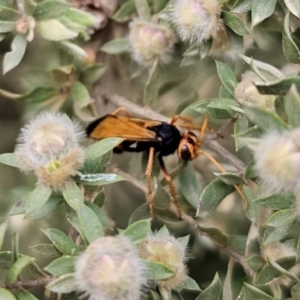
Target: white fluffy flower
column 277, row 160
column 196, row 20
column 110, row 269
column 49, row 146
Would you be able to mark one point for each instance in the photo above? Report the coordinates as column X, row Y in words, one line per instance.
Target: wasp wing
column 132, row 129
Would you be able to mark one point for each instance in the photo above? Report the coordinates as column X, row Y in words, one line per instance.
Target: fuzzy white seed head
column 47, row 137
column 111, row 269
column 196, row 20
column 150, row 42
column 168, row 251
column 57, row 173
column 277, row 161
column 275, row 251
column 247, row 94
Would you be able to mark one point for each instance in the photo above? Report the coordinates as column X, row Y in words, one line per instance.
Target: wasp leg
column 237, row 188
column 148, row 175
column 170, row 183
column 119, row 110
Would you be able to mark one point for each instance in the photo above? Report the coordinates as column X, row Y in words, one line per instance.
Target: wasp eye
column 185, row 153
column 191, row 141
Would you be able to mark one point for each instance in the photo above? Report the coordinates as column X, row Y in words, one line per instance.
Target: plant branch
column 30, row 283
column 189, row 220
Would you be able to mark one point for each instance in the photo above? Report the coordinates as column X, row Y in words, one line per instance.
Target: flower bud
column 247, row 94
column 150, row 42
column 111, row 269
column 48, row 145
column 168, row 251
column 277, row 160
column 196, row 20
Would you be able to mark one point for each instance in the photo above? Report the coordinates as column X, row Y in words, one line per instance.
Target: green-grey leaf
column 7, row 26
column 294, row 7
column 8, row 14
column 157, row 271
column 52, row 203
column 80, row 17
column 269, row 272
column 241, row 125
column 227, row 77
column 102, row 147
column 216, row 234
column 290, row 49
column 189, row 284
column 104, row 220
column 255, row 262
column 278, row 225
column 18, row 266
column 184, row 240
column 295, row 291
column 223, row 104
column 61, row 265
column 235, row 23
column 143, row 9
column 213, row 194
column 73, row 195
column 277, row 201
column 292, row 106
column 3, row 227
column 63, row 284
column 116, row 46
column 92, row 73
column 125, row 11
column 61, row 241
column 251, row 292
column 262, row 9
column 279, row 87
column 100, row 178
column 265, row 68
column 298, row 250
column 14, row 57
column 24, row 295
column 54, row 30
column 265, row 119
column 50, row 9
column 80, row 94
column 89, row 223
column 242, row 6
column 46, row 250
column 138, row 230
column 9, row 159
column 230, row 178
column 203, row 108
column 37, row 198
column 141, row 213
column 188, row 185
column 6, row 295
column 213, row 291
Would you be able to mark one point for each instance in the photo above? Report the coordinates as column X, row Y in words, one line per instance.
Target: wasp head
column 188, row 146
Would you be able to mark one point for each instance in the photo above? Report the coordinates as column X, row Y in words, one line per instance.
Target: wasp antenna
column 237, row 188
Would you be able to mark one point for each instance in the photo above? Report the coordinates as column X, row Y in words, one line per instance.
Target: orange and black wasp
column 154, row 137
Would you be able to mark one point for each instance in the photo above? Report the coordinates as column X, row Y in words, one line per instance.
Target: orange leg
column 148, row 175
column 171, row 186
